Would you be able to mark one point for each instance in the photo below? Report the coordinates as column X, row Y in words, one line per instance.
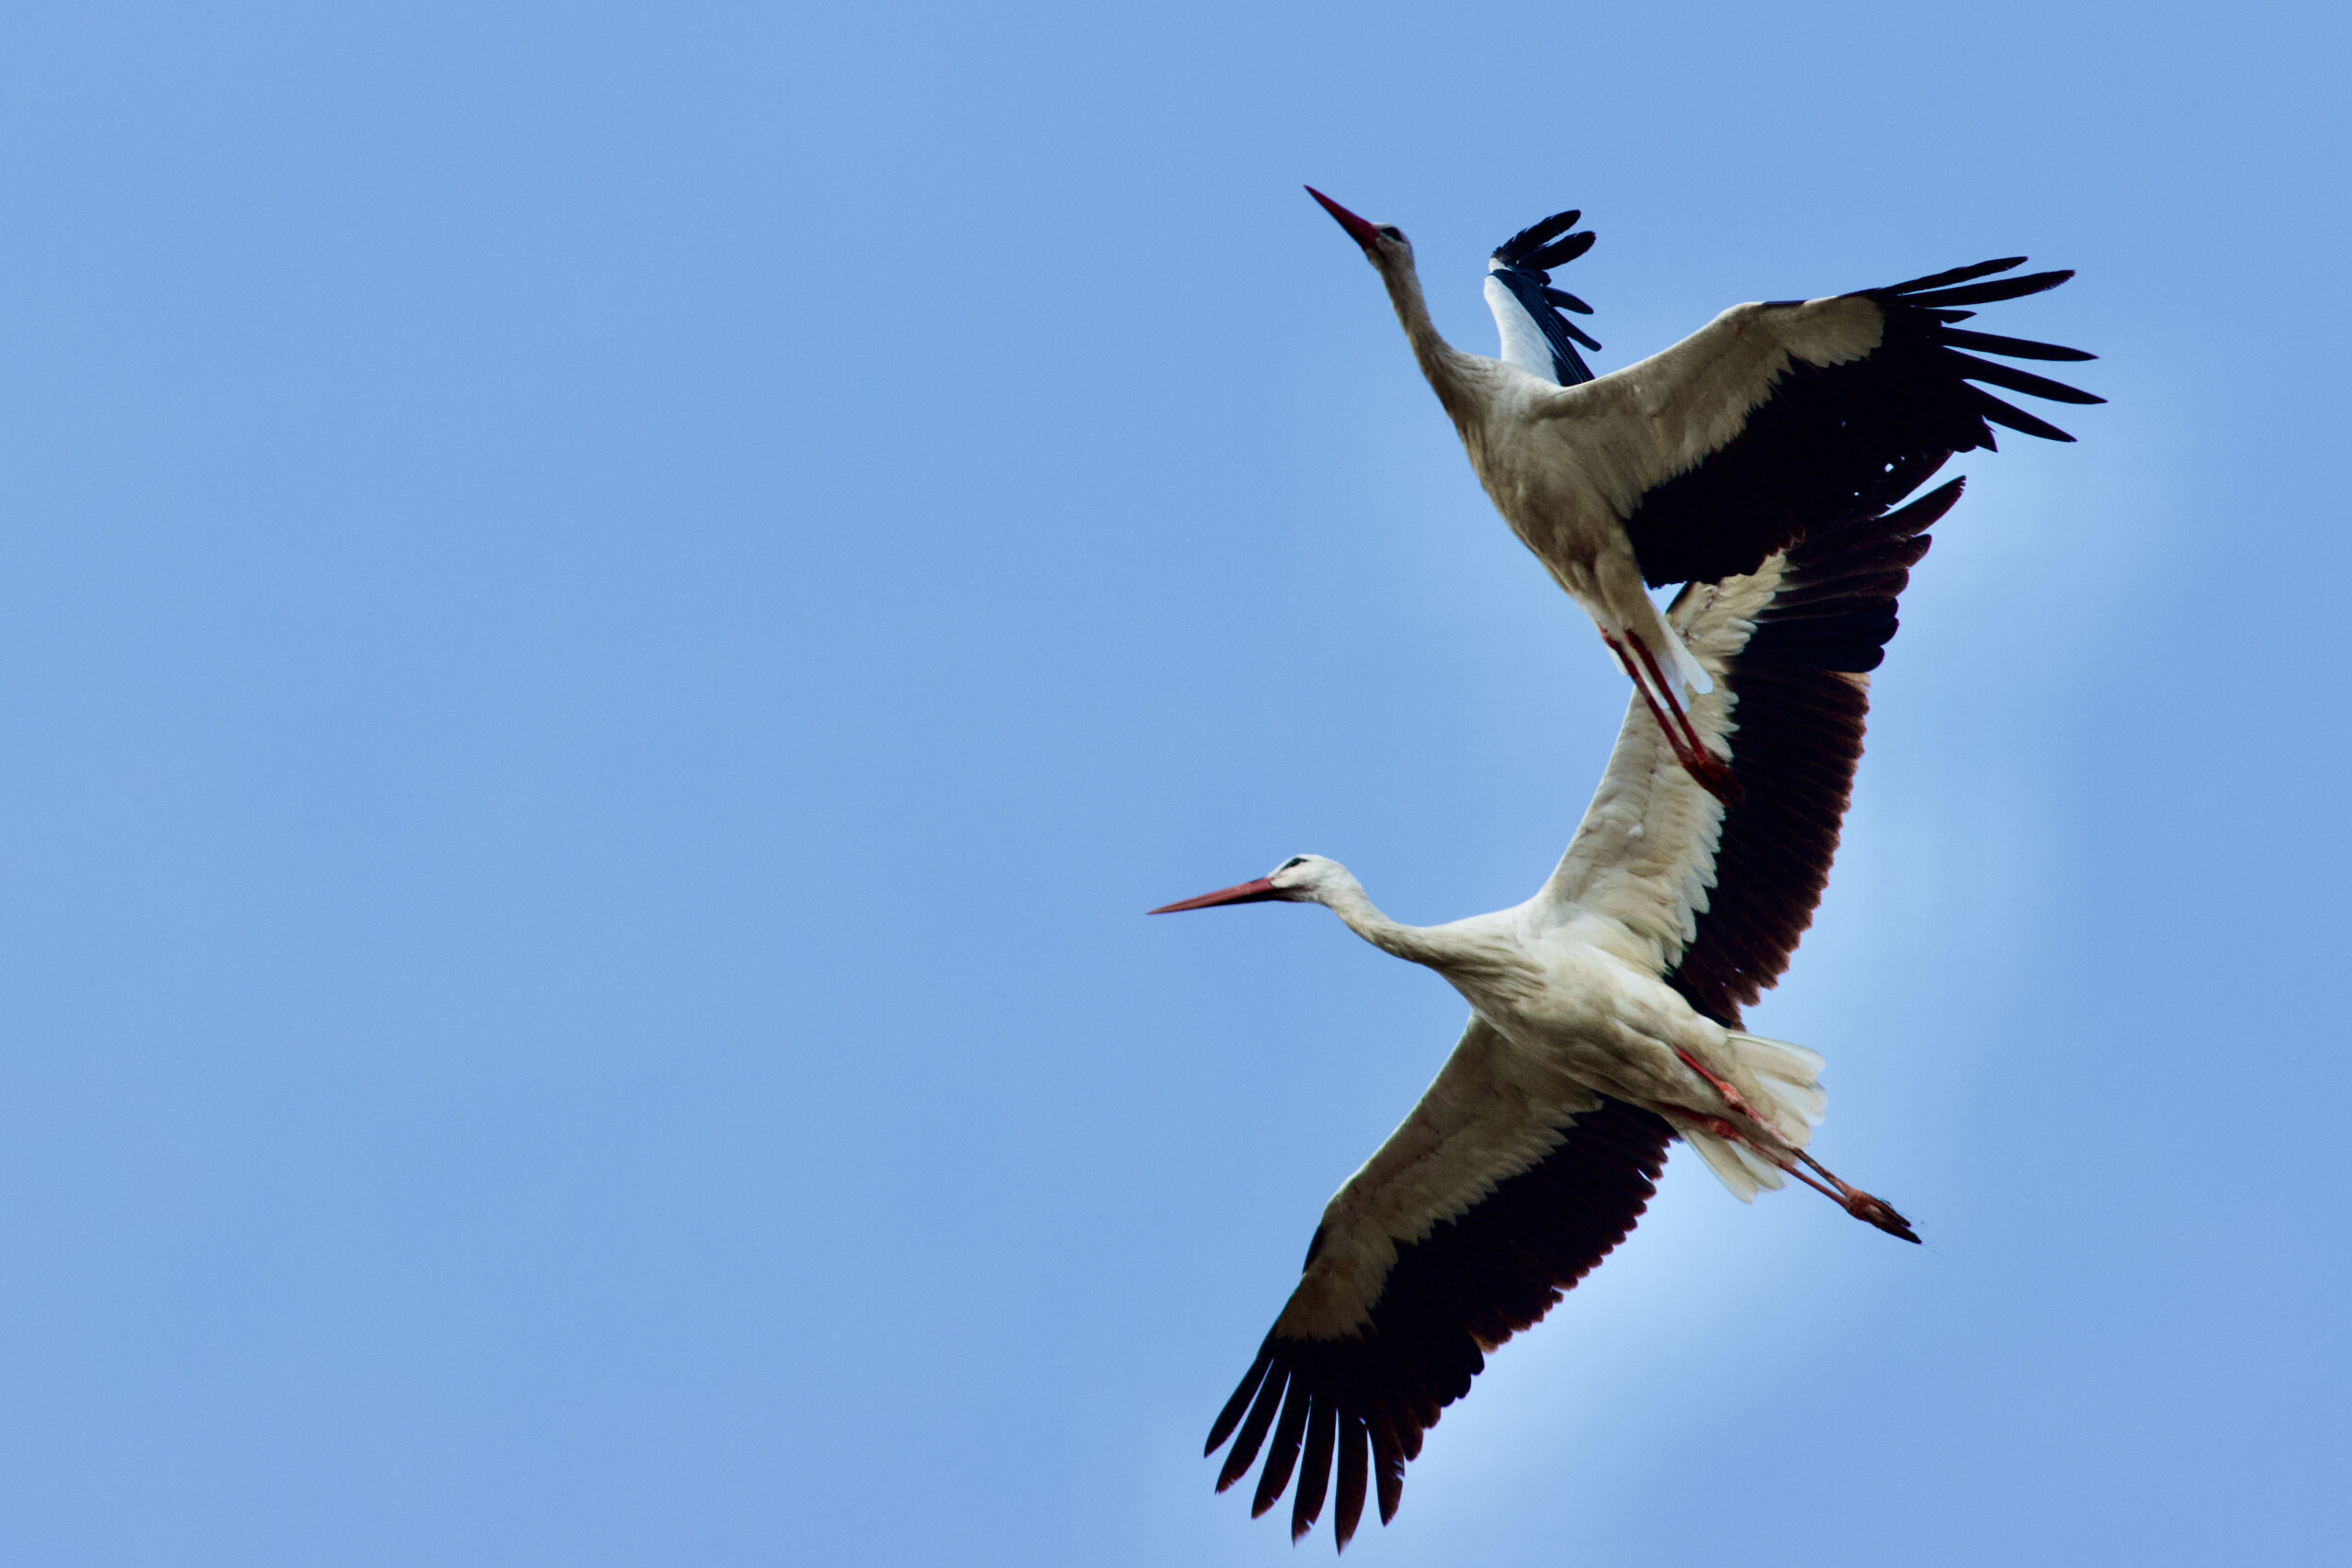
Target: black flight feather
column 1560, row 253
column 1283, row 1454
column 2015, row 347
column 1230, row 1416
column 2015, row 381
column 1314, row 1469
column 1956, row 275
column 1516, row 250
column 1354, row 1443
column 1800, row 713
column 1526, row 258
column 1812, row 450
column 1989, row 293
column 1253, row 1431
column 1471, row 1284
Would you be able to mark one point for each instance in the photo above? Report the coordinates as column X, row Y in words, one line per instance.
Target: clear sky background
column 609, row 616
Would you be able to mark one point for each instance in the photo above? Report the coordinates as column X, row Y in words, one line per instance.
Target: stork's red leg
column 1846, row 1196
column 1732, row 1097
column 1665, row 722
column 1861, row 1205
column 1704, row 766
column 1667, row 689
column 1691, row 751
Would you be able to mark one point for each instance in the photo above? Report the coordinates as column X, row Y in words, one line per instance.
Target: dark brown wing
column 1826, row 436
column 1364, row 1398
column 1799, row 718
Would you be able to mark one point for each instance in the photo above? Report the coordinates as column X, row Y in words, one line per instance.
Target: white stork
column 1604, row 1022
column 1697, row 462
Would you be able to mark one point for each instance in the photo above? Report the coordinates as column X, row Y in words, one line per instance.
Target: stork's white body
column 1565, row 466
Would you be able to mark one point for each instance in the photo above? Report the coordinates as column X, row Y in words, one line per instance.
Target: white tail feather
column 1736, row 1168
column 1791, row 1075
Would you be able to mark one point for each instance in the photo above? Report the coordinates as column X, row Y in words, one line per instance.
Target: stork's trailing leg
column 1658, row 692
column 1852, row 1199
column 1732, row 1097
column 1857, row 1203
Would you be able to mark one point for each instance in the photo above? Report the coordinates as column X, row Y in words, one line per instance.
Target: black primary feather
column 1476, row 1279
column 1820, row 444
column 1798, row 712
column 1535, row 236
column 1525, row 260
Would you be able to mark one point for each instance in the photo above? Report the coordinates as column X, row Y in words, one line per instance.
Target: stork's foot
column 1857, row 1203
column 1863, row 1206
column 1846, row 1196
column 1712, row 774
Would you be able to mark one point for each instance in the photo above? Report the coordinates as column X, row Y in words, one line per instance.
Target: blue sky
column 609, row 616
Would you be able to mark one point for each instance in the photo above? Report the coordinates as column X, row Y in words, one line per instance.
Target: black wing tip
column 1517, row 250
column 1950, row 276
column 2013, row 417
column 1986, row 293
column 1802, row 723
column 1253, row 1431
column 2010, row 347
column 1971, row 368
column 1559, row 253
column 1234, row 1408
column 1282, row 1458
column 1354, row 1409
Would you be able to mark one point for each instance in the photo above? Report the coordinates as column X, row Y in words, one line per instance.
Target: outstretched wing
column 1715, row 898
column 1775, row 420
column 1502, row 1190
column 1536, row 337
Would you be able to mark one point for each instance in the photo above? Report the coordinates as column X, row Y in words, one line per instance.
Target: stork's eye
column 1391, row 230
column 1294, row 860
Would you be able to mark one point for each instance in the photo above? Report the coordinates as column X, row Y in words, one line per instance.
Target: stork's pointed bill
column 1262, row 891
column 1363, row 234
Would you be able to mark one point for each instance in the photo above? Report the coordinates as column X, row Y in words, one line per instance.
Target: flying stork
column 1696, row 463
column 1604, row 1023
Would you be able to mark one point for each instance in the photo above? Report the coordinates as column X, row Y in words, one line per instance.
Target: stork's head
column 1385, row 245
column 1302, row 879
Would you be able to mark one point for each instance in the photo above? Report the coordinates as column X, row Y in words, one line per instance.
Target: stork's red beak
column 1258, row 892
column 1362, row 232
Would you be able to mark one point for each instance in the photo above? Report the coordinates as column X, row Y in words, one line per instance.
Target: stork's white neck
column 1345, row 897
column 1445, row 365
